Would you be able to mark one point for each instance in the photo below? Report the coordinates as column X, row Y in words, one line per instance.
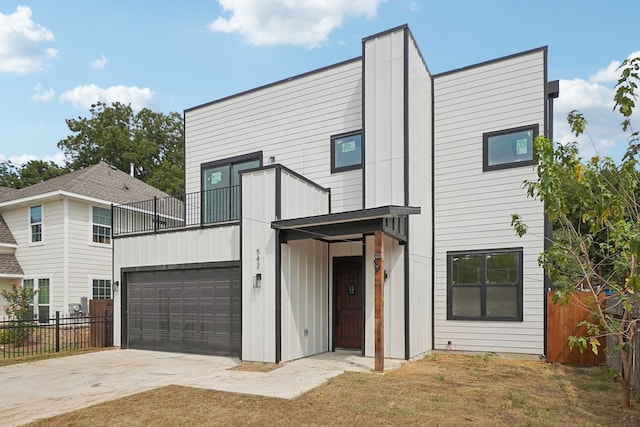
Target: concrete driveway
column 45, row 388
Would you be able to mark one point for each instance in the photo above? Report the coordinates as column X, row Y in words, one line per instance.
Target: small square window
column 346, row 152
column 509, row 148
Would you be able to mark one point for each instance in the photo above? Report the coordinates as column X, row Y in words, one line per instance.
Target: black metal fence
column 20, row 338
column 167, row 213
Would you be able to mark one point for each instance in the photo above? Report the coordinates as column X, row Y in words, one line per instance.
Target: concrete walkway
column 45, row 388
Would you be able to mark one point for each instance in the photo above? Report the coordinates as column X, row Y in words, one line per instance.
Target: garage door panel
column 192, row 311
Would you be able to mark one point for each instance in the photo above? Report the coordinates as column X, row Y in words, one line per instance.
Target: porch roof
column 390, row 219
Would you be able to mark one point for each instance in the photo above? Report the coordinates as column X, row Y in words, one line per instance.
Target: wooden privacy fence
column 562, row 322
column 101, row 330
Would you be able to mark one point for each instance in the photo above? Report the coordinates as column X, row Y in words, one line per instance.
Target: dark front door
column 348, row 297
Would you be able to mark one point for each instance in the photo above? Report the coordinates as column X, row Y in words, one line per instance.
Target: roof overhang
column 51, row 195
column 393, row 220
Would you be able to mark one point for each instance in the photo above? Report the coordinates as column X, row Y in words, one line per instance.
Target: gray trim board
column 385, row 32
column 349, row 216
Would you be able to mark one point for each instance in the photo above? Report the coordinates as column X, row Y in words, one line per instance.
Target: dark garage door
column 185, row 310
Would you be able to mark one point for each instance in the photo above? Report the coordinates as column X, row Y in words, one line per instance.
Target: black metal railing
column 20, row 338
column 168, row 213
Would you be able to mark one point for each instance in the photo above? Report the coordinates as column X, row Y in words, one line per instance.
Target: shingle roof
column 9, row 265
column 5, row 234
column 5, row 191
column 101, row 181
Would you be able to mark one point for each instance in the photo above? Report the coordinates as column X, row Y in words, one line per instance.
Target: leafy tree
column 32, row 172
column 18, row 309
column 152, row 142
column 594, row 206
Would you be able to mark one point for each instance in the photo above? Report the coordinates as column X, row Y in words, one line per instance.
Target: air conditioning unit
column 75, row 308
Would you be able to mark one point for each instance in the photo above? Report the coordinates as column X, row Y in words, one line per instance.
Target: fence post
column 57, row 332
column 105, row 329
column 155, row 214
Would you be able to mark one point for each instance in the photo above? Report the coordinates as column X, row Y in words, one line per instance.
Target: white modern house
column 55, row 236
column 365, row 205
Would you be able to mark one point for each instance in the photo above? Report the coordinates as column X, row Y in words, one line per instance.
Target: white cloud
column 99, row 64
column 272, row 22
column 21, row 41
column 413, row 6
column 84, row 96
column 42, row 94
column 58, row 159
column 594, row 99
column 610, row 73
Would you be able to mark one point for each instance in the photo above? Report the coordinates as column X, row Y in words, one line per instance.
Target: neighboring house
column 270, row 255
column 55, row 236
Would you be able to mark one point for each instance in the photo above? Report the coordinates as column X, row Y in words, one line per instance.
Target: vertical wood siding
column 292, row 120
column 473, row 208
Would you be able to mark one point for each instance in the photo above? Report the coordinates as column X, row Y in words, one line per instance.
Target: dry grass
column 255, row 367
column 439, row 390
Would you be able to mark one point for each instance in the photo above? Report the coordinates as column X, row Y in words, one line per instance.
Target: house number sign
column 351, row 289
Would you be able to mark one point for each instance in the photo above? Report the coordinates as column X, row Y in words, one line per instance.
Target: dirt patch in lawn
column 255, row 367
column 441, row 389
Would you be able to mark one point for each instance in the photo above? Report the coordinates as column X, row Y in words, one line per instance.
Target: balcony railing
column 169, row 213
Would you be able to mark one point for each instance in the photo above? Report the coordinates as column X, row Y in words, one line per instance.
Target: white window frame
column 32, row 224
column 91, row 287
column 36, row 304
column 92, row 224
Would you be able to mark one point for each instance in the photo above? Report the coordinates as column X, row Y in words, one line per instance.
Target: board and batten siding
column 304, row 299
column 393, row 304
column 384, row 66
column 473, row 208
column 420, row 195
column 258, row 257
column 292, row 121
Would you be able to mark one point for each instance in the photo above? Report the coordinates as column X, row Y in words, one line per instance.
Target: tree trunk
column 626, row 358
column 626, row 394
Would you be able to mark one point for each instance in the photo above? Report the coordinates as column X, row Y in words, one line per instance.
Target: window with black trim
column 346, row 152
column 509, row 148
column 485, row 285
column 221, row 187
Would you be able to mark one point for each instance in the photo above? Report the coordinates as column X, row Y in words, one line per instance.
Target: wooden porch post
column 378, row 259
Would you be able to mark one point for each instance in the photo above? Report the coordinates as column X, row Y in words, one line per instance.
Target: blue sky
column 59, row 57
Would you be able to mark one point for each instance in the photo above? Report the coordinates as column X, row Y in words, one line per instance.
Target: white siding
column 209, row 244
column 86, row 259
column 42, row 260
column 258, row 304
column 393, row 310
column 473, row 208
column 384, row 119
column 292, row 121
column 304, row 299
column 300, row 198
column 420, row 195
